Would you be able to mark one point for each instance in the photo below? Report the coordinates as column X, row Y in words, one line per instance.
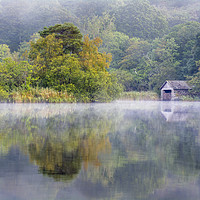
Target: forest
column 92, row 50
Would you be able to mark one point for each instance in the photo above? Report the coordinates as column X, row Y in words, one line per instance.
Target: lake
column 124, row 150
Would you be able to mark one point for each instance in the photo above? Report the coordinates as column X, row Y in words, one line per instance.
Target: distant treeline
column 150, row 41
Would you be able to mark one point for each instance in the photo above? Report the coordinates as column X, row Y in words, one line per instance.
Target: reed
column 189, row 98
column 143, row 95
column 40, row 95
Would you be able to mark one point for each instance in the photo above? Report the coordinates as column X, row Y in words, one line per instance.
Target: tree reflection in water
column 111, row 151
column 59, row 144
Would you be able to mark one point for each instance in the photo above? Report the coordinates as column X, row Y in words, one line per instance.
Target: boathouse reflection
column 174, row 112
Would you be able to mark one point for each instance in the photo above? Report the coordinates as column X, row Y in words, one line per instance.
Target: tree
column 125, row 78
column 136, row 61
column 42, row 52
column 194, row 81
column 98, row 84
column 114, row 42
column 84, row 75
column 28, row 17
column 135, row 53
column 139, row 19
column 185, row 36
column 14, row 74
column 164, row 65
column 65, row 73
column 68, row 33
column 89, row 9
column 91, row 57
column 4, row 52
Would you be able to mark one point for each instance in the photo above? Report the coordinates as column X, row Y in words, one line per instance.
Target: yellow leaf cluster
column 91, row 58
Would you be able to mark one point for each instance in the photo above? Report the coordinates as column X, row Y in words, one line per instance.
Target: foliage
column 4, row 52
column 84, row 75
column 136, row 61
column 88, row 9
column 194, row 81
column 3, row 95
column 98, row 83
column 15, row 74
column 150, row 63
column 19, row 19
column 164, row 66
column 139, row 19
column 128, row 28
column 68, row 33
column 125, row 78
column 114, row 42
column 91, row 58
column 178, row 11
column 42, row 52
column 185, row 36
column 135, row 53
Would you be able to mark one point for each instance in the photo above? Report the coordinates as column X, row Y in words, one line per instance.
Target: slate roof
column 177, row 85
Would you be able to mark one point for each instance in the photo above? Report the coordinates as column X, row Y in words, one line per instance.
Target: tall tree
column 68, row 33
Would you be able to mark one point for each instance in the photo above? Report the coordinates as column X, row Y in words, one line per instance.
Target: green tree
column 185, row 36
column 125, row 78
column 194, row 81
column 42, row 52
column 135, row 53
column 139, row 19
column 136, row 61
column 68, row 33
column 164, row 65
column 114, row 42
column 15, row 74
column 84, row 75
column 21, row 18
column 65, row 73
column 4, row 52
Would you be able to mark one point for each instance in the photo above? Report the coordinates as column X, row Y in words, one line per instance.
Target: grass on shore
column 143, row 95
column 46, row 95
column 37, row 95
column 189, row 98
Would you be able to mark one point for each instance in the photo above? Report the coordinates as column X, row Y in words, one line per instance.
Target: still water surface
column 121, row 151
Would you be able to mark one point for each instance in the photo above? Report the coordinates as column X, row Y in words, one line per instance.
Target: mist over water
column 121, row 150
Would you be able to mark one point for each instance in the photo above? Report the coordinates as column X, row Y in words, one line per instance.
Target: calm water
column 123, row 150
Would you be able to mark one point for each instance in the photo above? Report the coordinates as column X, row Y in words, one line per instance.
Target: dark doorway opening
column 167, row 95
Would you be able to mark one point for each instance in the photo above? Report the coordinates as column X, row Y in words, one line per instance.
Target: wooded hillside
column 150, row 41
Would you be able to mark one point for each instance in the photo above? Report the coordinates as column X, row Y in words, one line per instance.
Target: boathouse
column 173, row 90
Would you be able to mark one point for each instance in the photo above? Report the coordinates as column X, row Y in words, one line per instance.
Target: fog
column 19, row 19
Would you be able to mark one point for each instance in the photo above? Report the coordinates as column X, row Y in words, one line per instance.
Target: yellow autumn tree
column 98, row 84
column 91, row 57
